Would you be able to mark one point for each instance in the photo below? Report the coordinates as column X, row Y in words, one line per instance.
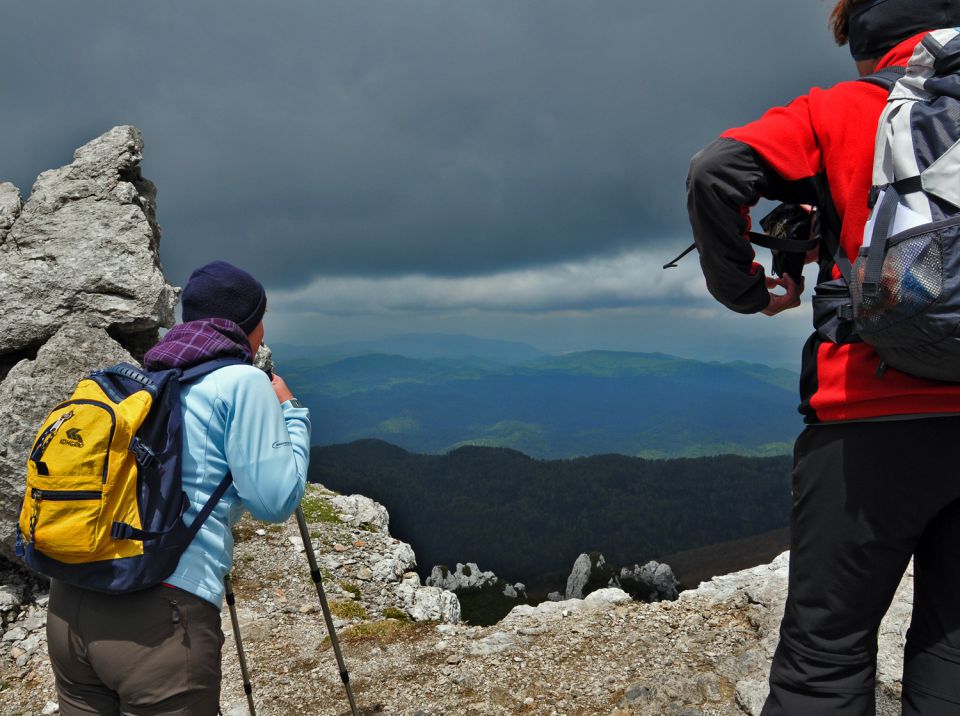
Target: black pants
column 866, row 498
column 151, row 652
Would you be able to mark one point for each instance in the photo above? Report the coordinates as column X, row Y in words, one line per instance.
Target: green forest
column 528, row 519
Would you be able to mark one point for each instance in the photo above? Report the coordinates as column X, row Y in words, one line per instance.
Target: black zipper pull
column 37, row 496
column 881, row 368
column 175, row 614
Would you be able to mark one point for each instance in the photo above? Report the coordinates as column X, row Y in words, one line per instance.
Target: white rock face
column 84, row 245
column 465, row 576
column 395, row 563
column 764, row 588
column 603, row 598
column 10, row 205
column 598, row 600
column 358, row 510
column 427, row 603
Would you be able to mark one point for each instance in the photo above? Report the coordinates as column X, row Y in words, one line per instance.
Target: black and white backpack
column 904, row 285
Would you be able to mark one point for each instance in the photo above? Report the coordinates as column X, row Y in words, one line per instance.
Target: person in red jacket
column 875, row 471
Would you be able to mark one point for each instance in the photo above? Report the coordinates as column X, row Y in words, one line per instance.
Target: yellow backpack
column 104, row 505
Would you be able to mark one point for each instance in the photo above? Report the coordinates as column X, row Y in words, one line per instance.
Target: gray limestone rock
column 600, row 599
column 465, row 576
column 651, row 582
column 30, row 390
column 85, row 244
column 360, row 511
column 10, row 206
column 603, row 598
column 392, row 566
column 264, row 358
column 579, row 576
column 590, row 572
column 11, row 597
column 427, row 603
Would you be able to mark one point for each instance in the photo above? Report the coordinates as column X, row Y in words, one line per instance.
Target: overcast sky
column 511, row 169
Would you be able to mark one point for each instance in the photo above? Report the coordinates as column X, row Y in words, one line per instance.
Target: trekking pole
column 231, row 603
column 318, row 581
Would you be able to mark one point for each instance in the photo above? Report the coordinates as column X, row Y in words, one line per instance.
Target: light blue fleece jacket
column 232, row 420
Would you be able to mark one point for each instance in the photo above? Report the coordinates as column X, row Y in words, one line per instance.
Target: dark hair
column 840, row 19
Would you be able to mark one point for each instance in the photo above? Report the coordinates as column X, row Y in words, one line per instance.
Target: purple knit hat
column 221, row 290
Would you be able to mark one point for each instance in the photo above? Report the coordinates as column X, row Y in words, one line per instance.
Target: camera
column 794, row 225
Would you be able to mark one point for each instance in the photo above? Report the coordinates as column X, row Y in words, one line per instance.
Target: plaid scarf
column 189, row 344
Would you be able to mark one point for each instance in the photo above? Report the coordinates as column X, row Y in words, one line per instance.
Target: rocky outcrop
column 484, row 597
column 427, row 603
column 652, row 582
column 361, row 511
column 82, row 288
column 706, row 653
column 590, row 572
column 465, row 576
column 86, row 244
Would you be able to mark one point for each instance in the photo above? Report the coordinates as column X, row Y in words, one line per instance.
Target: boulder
column 85, row 244
column 395, row 563
column 590, row 572
column 427, row 603
column 361, row 511
column 30, row 390
column 653, row 582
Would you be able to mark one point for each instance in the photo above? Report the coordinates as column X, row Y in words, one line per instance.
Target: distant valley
column 529, row 519
column 451, row 391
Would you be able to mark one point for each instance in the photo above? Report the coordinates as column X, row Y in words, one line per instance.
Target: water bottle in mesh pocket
column 911, row 312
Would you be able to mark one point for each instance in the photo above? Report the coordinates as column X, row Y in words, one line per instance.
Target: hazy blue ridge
column 425, row 346
column 646, row 404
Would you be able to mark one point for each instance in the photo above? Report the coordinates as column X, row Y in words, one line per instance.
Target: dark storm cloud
column 386, row 138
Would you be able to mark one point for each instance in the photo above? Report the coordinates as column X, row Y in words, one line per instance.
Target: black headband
column 877, row 26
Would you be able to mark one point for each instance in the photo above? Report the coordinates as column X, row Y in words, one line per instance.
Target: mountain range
column 460, row 390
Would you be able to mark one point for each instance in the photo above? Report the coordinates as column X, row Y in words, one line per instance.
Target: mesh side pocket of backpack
column 910, row 283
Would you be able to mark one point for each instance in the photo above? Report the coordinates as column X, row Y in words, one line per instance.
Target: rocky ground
column 703, row 655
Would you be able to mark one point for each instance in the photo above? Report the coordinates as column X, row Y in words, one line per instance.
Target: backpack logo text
column 73, row 438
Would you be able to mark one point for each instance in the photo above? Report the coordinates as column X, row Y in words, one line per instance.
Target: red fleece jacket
column 816, row 150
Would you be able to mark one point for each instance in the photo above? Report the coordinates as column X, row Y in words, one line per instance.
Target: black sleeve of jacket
column 725, row 176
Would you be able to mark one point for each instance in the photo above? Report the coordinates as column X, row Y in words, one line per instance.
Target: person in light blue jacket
column 158, row 650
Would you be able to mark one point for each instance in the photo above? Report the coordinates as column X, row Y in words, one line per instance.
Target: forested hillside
column 527, row 519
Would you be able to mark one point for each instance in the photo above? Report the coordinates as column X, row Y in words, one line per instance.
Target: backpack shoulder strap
column 202, row 369
column 122, row 530
column 886, row 78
